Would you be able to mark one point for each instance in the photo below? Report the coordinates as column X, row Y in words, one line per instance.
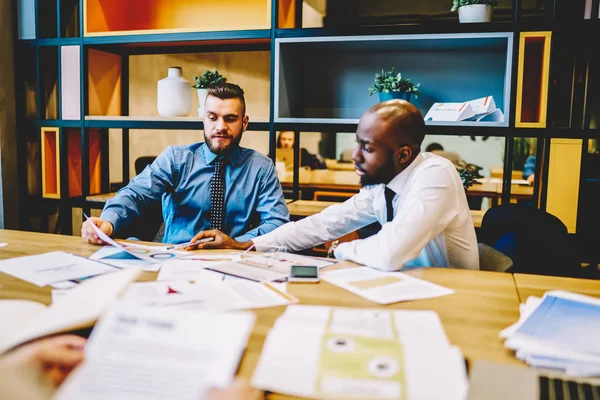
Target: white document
column 15, row 316
column 268, row 266
column 449, row 112
column 154, row 254
column 325, row 352
column 140, row 352
column 191, row 270
column 219, row 295
column 56, row 266
column 79, row 308
column 384, row 287
column 119, row 258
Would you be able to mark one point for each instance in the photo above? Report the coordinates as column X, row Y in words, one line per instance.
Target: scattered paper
column 63, row 285
column 325, row 352
column 383, row 287
column 159, row 353
column 58, row 296
column 154, row 254
column 268, row 266
column 3, row 244
column 119, row 258
column 15, row 316
column 57, row 266
column 191, row 270
column 211, row 294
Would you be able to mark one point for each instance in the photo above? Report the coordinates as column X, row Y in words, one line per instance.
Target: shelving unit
column 87, row 71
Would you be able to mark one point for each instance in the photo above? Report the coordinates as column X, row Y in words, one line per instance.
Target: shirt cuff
column 261, row 243
column 111, row 217
column 343, row 251
column 244, row 238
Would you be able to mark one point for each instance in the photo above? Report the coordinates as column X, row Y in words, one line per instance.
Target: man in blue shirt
column 212, row 185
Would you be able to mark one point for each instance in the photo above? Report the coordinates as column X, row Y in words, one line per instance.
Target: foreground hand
column 51, row 360
column 221, row 241
column 531, row 179
column 88, row 233
column 240, row 389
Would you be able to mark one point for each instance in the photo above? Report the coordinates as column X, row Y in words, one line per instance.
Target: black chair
column 149, row 226
column 537, row 242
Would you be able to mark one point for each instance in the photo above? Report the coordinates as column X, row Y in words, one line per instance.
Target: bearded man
column 211, row 185
column 418, row 198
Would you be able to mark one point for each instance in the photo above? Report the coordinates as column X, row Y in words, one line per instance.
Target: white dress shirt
column 432, row 223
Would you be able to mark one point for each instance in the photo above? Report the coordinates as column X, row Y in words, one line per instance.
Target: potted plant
column 390, row 85
column 202, row 84
column 474, row 10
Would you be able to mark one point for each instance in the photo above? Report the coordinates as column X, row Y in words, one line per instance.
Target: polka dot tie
column 217, row 195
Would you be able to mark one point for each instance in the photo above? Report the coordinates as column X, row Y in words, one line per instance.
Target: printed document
column 78, row 308
column 191, row 270
column 345, row 353
column 139, row 352
column 383, row 287
column 56, row 266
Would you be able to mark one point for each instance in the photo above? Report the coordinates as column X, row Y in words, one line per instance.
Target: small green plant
column 467, row 177
column 208, row 79
column 389, row 81
column 459, row 3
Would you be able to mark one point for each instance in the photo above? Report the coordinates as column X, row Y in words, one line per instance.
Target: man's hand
column 531, row 179
column 88, row 233
column 221, row 241
column 239, row 390
column 51, row 360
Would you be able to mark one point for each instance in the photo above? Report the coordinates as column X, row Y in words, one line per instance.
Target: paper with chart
column 56, row 266
column 119, row 258
column 211, row 294
column 268, row 266
column 383, row 287
column 79, row 308
column 327, row 352
column 193, row 270
column 558, row 331
column 160, row 353
column 154, row 254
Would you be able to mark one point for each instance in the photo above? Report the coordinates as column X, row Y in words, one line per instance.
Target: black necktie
column 217, row 195
column 389, row 197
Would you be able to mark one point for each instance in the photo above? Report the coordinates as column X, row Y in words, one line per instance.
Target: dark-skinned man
column 417, row 197
column 212, row 185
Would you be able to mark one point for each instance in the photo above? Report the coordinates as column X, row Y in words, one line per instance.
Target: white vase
column 174, row 97
column 475, row 13
column 201, row 98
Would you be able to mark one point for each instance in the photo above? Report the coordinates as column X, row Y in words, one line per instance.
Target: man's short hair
column 225, row 91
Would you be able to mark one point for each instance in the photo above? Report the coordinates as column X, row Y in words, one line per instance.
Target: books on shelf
column 479, row 110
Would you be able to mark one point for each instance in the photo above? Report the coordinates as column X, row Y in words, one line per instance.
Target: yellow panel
column 50, row 143
column 563, row 180
column 545, row 77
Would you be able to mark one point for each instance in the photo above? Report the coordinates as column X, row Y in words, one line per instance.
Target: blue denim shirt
column 181, row 176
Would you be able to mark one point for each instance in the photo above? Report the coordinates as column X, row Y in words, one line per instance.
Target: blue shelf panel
column 175, row 39
column 159, row 123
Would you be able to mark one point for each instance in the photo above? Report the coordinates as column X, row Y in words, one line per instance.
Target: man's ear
column 245, row 123
column 403, row 155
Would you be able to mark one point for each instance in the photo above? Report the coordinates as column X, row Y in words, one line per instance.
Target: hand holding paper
column 95, row 230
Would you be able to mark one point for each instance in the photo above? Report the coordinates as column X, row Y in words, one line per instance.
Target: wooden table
column 536, row 285
column 484, row 302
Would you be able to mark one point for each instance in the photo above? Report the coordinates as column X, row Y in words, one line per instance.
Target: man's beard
column 223, row 150
column 384, row 175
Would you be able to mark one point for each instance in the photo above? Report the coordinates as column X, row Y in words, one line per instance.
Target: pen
column 208, row 239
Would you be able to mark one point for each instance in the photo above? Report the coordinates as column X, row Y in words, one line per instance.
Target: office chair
column 537, row 242
column 149, row 226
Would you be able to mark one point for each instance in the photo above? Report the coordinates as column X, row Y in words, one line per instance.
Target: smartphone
column 304, row 273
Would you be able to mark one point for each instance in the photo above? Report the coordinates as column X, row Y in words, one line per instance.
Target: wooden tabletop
column 484, row 302
column 537, row 285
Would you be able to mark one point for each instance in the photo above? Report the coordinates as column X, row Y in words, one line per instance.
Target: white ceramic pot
column 475, row 13
column 174, row 97
column 201, row 98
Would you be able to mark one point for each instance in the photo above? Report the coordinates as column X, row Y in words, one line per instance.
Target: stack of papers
column 325, row 352
column 558, row 331
column 141, row 352
column 384, row 287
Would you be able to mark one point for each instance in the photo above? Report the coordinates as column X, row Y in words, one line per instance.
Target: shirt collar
column 210, row 157
column 399, row 182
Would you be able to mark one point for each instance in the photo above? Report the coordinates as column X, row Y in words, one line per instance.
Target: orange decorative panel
column 287, row 14
column 74, row 161
column 104, row 83
column 50, row 140
column 95, row 158
column 118, row 17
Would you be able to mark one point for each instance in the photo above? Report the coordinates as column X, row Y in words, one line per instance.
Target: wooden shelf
column 143, row 122
column 135, row 17
column 449, row 67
